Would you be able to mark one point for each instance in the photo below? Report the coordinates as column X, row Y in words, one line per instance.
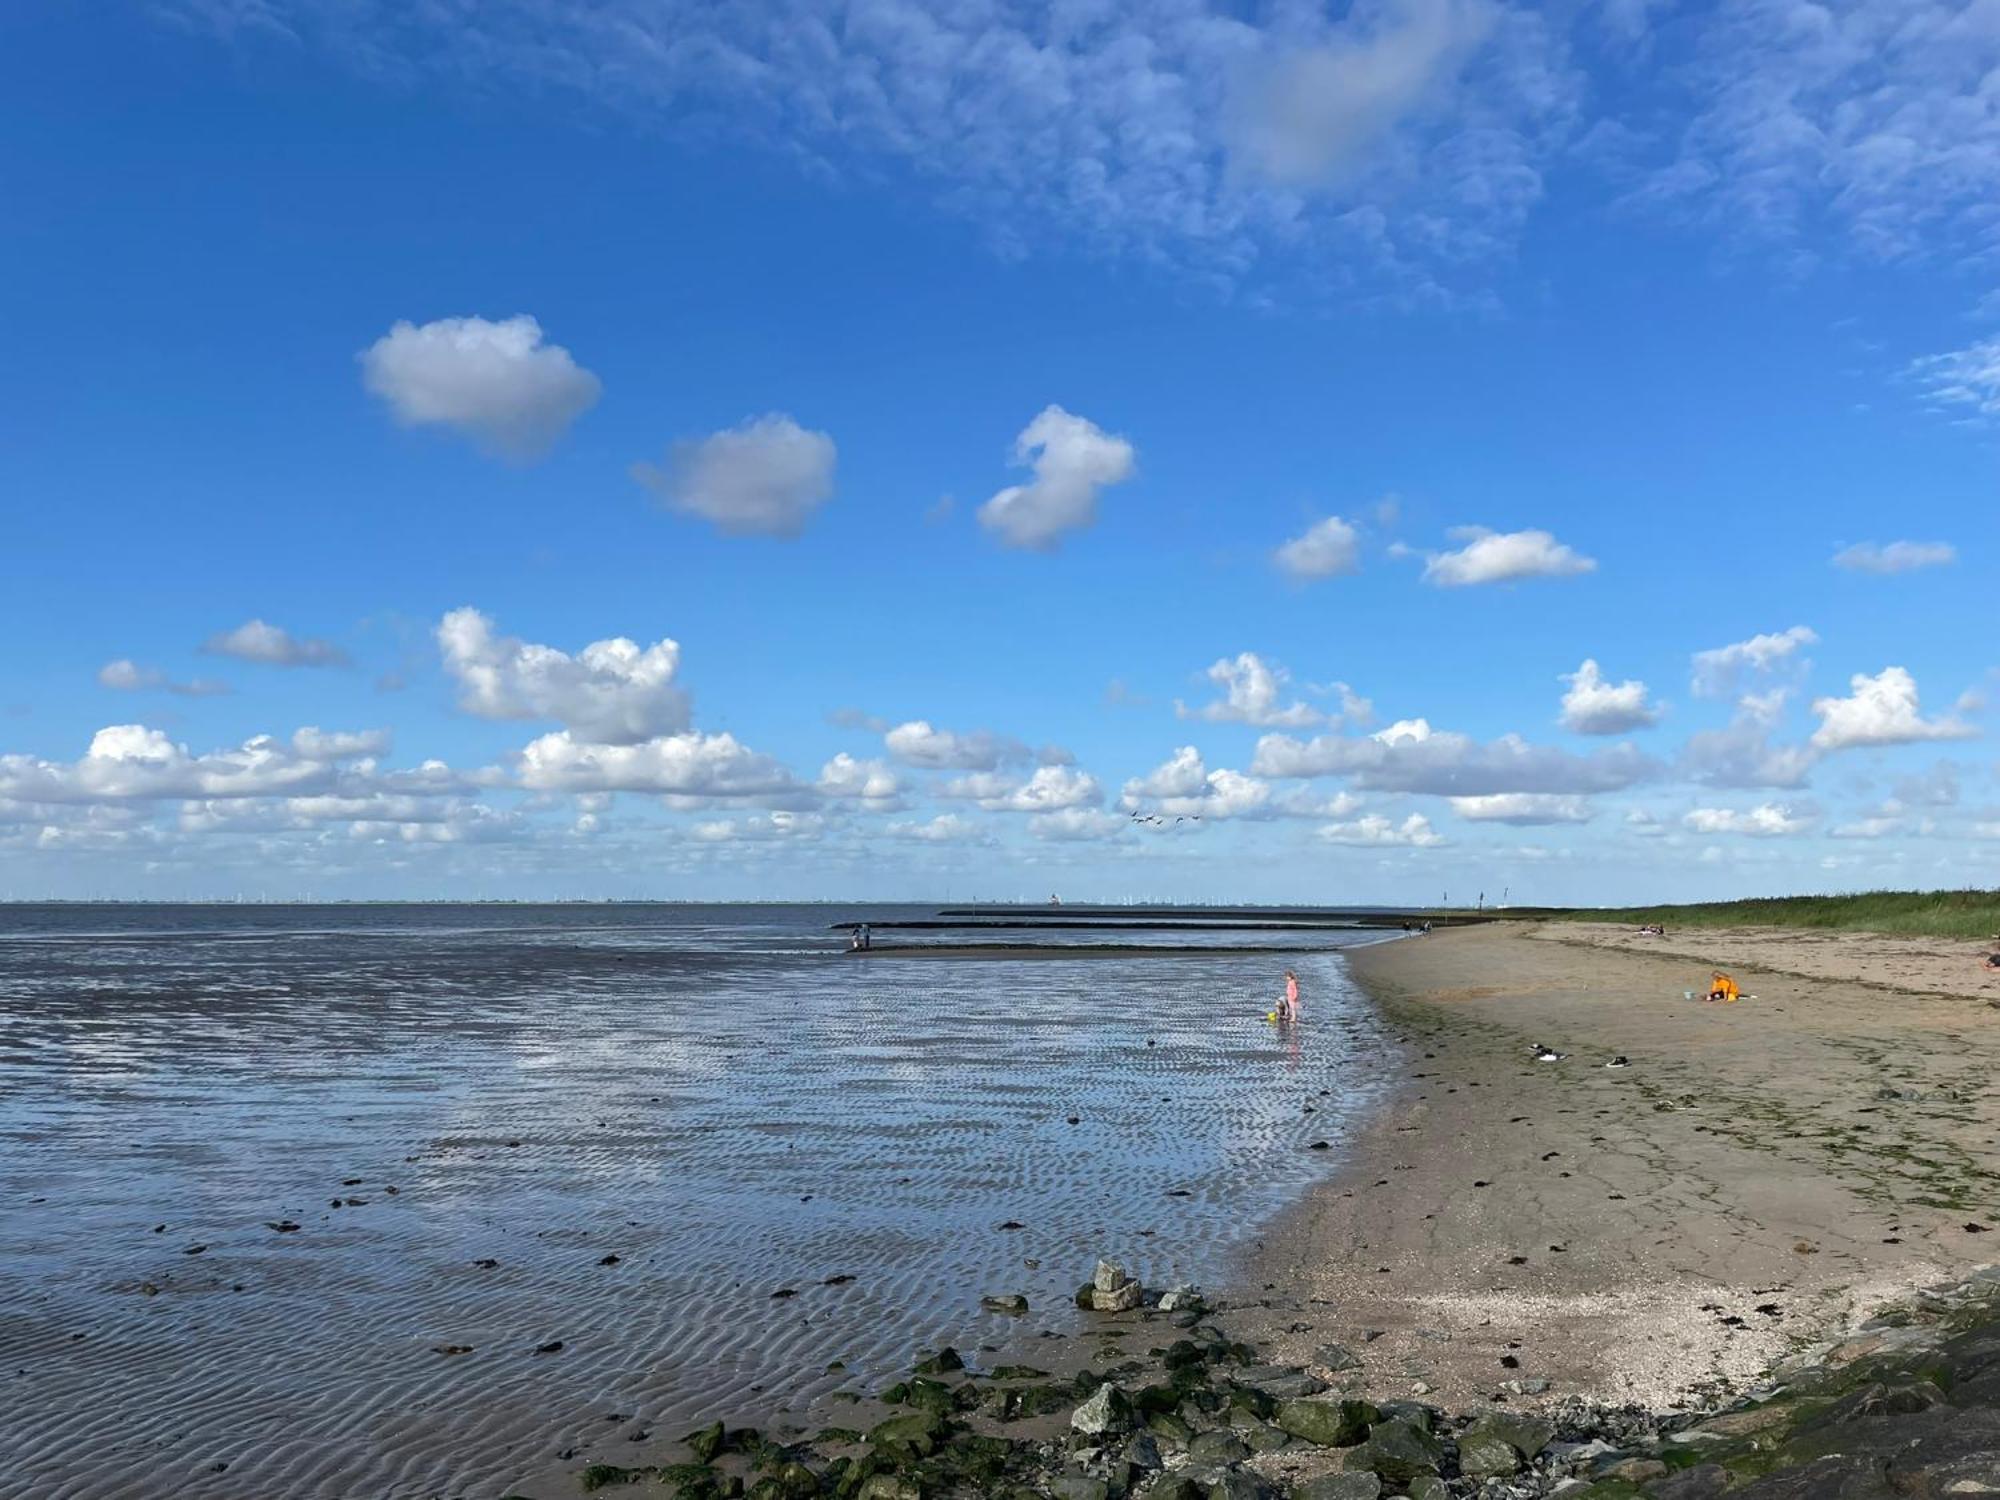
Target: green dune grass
column 1948, row 914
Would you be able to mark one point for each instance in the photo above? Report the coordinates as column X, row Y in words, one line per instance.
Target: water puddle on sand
column 699, row 1150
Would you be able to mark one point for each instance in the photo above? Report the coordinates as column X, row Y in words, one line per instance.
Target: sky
column 966, row 449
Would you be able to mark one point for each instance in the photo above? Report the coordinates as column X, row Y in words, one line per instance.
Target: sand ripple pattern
column 468, row 1112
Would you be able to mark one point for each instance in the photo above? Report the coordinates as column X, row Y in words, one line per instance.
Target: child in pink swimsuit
column 1291, row 996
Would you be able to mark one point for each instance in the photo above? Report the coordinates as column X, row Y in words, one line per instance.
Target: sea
column 382, row 1201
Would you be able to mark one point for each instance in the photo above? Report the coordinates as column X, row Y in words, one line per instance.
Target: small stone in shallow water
column 553, row 1346
column 1012, row 1304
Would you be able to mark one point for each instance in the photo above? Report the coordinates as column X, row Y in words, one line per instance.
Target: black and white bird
column 1548, row 1054
column 1618, row 1062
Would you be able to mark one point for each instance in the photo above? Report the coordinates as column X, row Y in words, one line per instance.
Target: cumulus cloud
column 870, row 782
column 273, row 646
column 1376, row 831
column 764, row 477
column 1523, row 809
column 1717, row 672
column 1409, row 756
column 688, row 765
column 1881, row 710
column 1252, row 693
column 1743, row 754
column 1326, row 549
column 768, row 827
column 1594, row 706
column 1503, row 557
column 1073, row 459
column 1183, row 786
column 1766, row 820
column 945, row 828
column 497, row 383
column 916, row 743
column 319, row 744
column 132, row 761
column 127, row 676
column 1050, row 789
column 614, row 691
column 1895, row 557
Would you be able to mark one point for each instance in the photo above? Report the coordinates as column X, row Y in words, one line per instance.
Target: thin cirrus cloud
column 1073, row 460
column 1326, row 549
column 1894, row 557
column 127, row 676
column 1964, row 382
column 274, row 646
column 766, row 476
column 496, row 383
column 1503, row 557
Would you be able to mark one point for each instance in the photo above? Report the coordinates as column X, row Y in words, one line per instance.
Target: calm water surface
column 467, row 1111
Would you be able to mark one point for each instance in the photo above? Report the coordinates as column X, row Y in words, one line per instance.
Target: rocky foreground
column 1907, row 1407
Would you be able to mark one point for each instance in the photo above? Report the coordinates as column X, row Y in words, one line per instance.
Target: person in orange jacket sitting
column 1722, row 987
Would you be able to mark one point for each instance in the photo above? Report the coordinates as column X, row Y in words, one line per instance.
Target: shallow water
column 713, row 1095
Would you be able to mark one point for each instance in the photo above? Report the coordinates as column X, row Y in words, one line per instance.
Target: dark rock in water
column 1339, row 1487
column 705, row 1442
column 283, row 1226
column 553, row 1346
column 941, row 1363
column 1331, row 1424
column 1012, row 1304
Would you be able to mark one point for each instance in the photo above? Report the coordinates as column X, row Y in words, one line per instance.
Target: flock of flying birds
column 1157, row 819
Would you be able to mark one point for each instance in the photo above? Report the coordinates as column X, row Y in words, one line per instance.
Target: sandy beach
column 1760, row 1175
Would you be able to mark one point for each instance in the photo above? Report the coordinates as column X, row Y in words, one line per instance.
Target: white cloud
column 1742, row 754
column 1872, row 116
column 916, row 743
column 1594, row 706
column 497, row 383
column 127, row 676
column 1411, row 757
column 1183, row 786
column 1050, row 789
column 131, row 761
column 613, row 691
column 1896, row 557
column 945, row 828
column 1966, row 380
column 1325, row 549
column 1252, row 694
column 763, row 828
column 1523, row 809
column 1099, row 128
column 686, row 765
column 1718, row 671
column 1076, row 823
column 1073, row 459
column 1876, row 826
column 764, row 477
column 1766, row 820
column 318, row 744
column 1313, row 114
column 1374, row 831
column 273, row 646
column 1882, row 710
column 871, row 782
column 1503, row 557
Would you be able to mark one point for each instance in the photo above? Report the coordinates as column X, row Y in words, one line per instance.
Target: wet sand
column 1759, row 1175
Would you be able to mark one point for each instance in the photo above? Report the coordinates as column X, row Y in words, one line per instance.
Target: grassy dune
column 1950, row 914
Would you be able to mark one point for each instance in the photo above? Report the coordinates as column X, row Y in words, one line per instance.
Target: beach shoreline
column 1758, row 1178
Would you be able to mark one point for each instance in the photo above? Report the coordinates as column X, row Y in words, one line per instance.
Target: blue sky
column 957, row 389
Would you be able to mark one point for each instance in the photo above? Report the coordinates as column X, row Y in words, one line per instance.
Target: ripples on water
column 713, row 1095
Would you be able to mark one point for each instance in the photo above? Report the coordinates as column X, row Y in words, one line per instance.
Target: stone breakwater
column 1907, row 1406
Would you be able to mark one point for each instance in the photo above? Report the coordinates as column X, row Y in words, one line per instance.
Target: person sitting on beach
column 1722, row 987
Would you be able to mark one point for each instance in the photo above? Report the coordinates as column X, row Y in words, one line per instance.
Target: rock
column 915, row 1435
column 1124, row 1299
column 1637, row 1470
column 1331, row 1424
column 1701, row 1482
column 1336, row 1357
column 1427, row 1487
column 1240, row 1484
column 1527, row 1435
column 943, row 1362
column 1078, row 1487
column 789, row 1481
column 889, row 1487
column 1276, row 1380
column 1220, row 1446
column 1339, row 1487
column 1109, row 1276
column 1142, row 1452
column 1524, row 1387
column 1182, row 1298
column 1109, row 1410
column 1264, row 1438
column 704, row 1443
column 1399, row 1451
column 1012, row 1304
column 1484, row 1456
